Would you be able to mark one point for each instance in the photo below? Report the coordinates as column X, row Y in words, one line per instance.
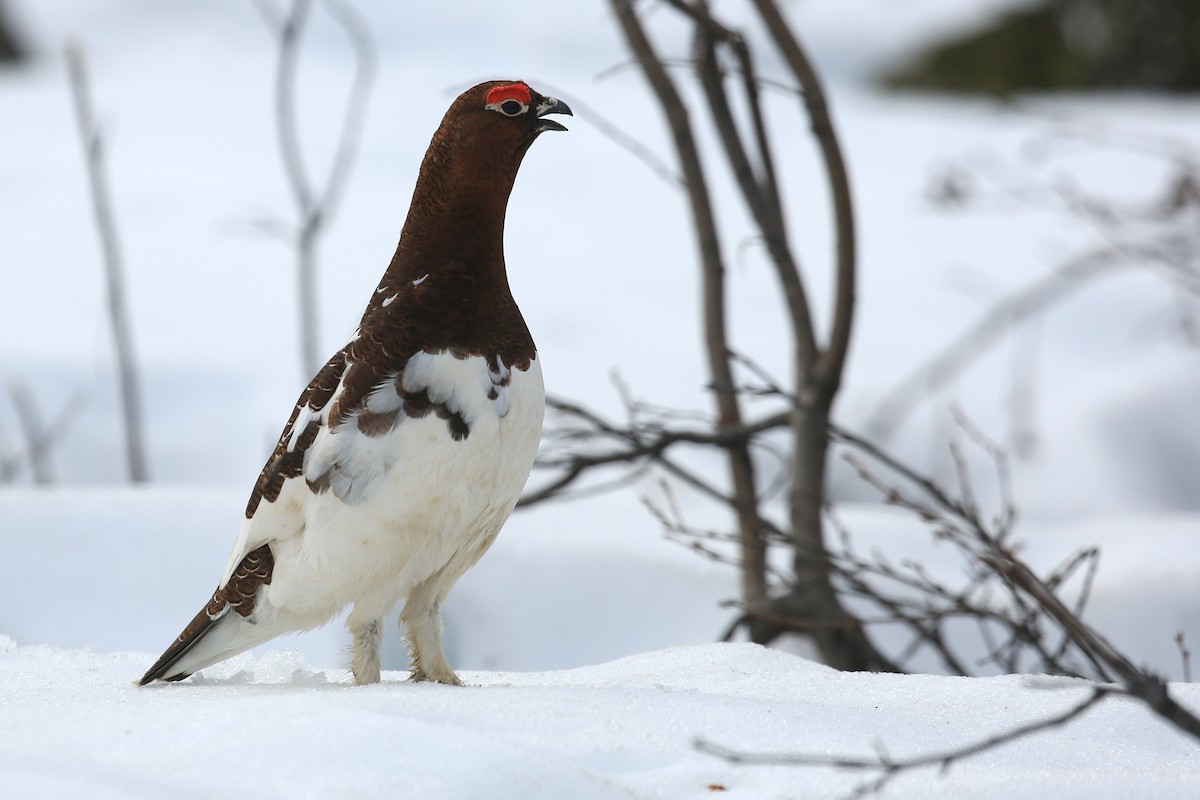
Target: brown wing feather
column 284, row 463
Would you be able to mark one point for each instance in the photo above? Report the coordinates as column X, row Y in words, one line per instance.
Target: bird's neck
column 456, row 220
column 446, row 287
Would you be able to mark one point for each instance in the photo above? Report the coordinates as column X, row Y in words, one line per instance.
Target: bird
column 407, row 452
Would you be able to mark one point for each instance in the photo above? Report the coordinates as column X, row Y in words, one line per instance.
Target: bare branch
column 315, row 206
column 1185, row 656
column 127, row 379
column 1150, row 689
column 828, row 370
column 626, row 141
column 1042, row 599
column 887, row 767
column 1149, row 233
column 290, row 30
column 36, row 438
column 40, row 438
column 634, row 444
column 759, row 186
column 355, row 27
column 713, row 272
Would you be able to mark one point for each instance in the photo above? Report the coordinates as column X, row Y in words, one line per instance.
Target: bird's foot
column 365, row 674
column 445, row 676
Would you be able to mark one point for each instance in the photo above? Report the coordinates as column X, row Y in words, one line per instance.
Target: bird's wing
column 335, row 440
column 276, row 506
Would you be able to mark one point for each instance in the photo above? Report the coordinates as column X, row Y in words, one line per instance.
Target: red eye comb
column 513, row 91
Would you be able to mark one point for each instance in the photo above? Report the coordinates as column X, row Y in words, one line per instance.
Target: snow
column 98, row 581
column 276, row 727
column 584, row 635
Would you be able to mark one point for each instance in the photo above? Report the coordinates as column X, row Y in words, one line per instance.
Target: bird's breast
column 444, row 419
column 391, row 501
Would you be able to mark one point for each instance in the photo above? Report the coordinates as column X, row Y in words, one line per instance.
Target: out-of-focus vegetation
column 1068, row 44
column 12, row 48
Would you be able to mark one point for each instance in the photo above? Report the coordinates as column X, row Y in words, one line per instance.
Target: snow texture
column 74, row 726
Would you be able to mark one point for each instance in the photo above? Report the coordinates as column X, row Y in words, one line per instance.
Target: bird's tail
column 228, row 625
column 204, row 642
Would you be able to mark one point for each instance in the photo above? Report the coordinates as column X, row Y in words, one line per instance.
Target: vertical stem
column 306, row 287
column 828, row 373
column 315, row 206
column 307, row 207
column 93, row 147
column 38, row 438
column 713, row 274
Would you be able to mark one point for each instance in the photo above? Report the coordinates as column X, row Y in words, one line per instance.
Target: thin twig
column 888, row 767
column 1185, row 657
column 615, row 133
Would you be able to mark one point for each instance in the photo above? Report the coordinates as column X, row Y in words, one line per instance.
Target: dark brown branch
column 759, row 187
column 828, row 370
column 713, row 272
column 634, row 445
column 1150, row 689
column 127, row 377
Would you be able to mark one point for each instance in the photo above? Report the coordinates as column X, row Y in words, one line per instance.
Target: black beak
column 549, row 105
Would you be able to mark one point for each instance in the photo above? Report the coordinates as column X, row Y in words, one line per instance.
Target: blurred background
column 1025, row 180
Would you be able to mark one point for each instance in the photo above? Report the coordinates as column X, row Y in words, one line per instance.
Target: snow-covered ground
column 564, row 627
column 273, row 727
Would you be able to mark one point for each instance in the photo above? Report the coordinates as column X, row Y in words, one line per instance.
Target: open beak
column 551, row 106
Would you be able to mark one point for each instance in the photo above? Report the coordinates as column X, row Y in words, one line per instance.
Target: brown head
column 499, row 118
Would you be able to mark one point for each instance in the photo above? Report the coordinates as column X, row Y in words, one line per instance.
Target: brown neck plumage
column 446, row 286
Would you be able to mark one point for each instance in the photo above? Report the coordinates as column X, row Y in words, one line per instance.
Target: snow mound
column 75, row 725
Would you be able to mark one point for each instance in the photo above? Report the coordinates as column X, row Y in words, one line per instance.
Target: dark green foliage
column 1068, row 44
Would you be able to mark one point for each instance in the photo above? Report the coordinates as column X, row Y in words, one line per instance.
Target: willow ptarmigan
column 407, row 452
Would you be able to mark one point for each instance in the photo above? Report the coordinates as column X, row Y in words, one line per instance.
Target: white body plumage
column 408, row 512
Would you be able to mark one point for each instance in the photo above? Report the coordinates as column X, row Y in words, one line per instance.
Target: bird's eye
column 512, row 108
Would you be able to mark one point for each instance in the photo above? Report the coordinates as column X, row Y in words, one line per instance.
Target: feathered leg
column 422, row 617
column 365, row 662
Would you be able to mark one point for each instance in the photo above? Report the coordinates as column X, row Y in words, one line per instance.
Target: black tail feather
column 191, row 636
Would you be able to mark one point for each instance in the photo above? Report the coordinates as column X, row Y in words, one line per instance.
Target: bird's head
column 516, row 101
column 469, row 170
column 504, row 116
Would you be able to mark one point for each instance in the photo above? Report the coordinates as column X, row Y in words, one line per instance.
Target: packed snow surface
column 75, row 726
column 98, row 582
